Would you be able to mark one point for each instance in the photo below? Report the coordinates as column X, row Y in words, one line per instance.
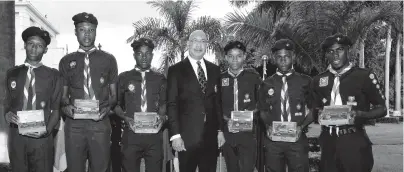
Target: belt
column 341, row 130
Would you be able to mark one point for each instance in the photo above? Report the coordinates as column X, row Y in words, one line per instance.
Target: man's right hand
column 178, row 145
column 130, row 122
column 68, row 110
column 12, row 118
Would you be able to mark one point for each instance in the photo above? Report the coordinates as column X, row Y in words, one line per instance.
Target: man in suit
column 193, row 108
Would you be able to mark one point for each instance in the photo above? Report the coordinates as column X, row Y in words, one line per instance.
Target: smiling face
column 35, row 48
column 86, row 33
column 143, row 56
column 197, row 44
column 337, row 55
column 284, row 60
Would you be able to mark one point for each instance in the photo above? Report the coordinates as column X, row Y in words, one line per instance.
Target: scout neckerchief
column 235, row 88
column 284, row 95
column 29, row 87
column 88, row 89
column 143, row 105
column 335, row 95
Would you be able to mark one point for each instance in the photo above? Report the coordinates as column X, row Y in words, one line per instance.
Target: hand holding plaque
column 86, row 109
column 147, row 122
column 32, row 121
column 337, row 115
column 241, row 121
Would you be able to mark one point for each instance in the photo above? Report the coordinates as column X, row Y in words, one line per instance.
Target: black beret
column 234, row 44
column 142, row 41
column 36, row 31
column 286, row 44
column 84, row 17
column 335, row 39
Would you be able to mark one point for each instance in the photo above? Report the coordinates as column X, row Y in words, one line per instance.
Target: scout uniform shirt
column 46, row 82
column 298, row 97
column 133, row 85
column 102, row 72
column 242, row 88
column 357, row 87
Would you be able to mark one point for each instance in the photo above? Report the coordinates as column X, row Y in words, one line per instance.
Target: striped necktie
column 29, row 88
column 88, row 89
column 335, row 95
column 201, row 77
column 143, row 105
column 235, row 89
column 285, row 110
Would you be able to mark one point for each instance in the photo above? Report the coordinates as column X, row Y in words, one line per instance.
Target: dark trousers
column 138, row 146
column 346, row 153
column 240, row 151
column 30, row 154
column 294, row 155
column 90, row 140
column 202, row 155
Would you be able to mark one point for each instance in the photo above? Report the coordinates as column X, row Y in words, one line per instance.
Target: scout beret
column 142, row 41
column 286, row 44
column 84, row 17
column 234, row 44
column 36, row 31
column 335, row 39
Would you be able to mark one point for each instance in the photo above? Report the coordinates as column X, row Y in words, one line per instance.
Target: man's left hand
column 104, row 112
column 220, row 139
column 353, row 114
column 37, row 134
column 298, row 131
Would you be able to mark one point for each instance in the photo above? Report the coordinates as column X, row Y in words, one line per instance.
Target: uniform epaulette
column 224, row 72
column 15, row 67
column 157, row 72
column 107, row 53
column 251, row 70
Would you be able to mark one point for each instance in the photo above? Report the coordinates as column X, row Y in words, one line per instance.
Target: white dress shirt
column 195, row 67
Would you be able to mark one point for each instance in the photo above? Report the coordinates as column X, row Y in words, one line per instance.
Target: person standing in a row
column 89, row 74
column 32, row 86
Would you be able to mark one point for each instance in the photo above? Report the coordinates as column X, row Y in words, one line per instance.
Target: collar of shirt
column 33, row 66
column 141, row 71
column 235, row 75
column 342, row 72
column 89, row 51
column 195, row 66
column 290, row 72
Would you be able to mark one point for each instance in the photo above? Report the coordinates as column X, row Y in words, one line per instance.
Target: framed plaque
column 86, row 109
column 284, row 131
column 31, row 121
column 147, row 122
column 241, row 121
column 336, row 115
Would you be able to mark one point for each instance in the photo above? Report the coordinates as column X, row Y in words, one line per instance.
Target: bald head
column 197, row 34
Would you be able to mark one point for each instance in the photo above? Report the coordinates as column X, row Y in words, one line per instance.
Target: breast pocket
column 76, row 78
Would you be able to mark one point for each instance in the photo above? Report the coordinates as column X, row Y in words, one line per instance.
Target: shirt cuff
column 175, row 137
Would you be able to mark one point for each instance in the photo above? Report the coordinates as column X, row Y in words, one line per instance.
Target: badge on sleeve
column 247, row 98
column 298, row 108
column 324, row 100
column 131, row 87
column 225, row 81
column 271, row 92
column 351, row 101
column 13, row 84
column 43, row 104
column 72, row 64
column 102, row 80
column 372, row 76
column 323, row 81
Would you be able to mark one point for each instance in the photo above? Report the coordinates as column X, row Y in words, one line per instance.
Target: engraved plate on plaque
column 241, row 121
column 284, row 131
column 335, row 115
column 147, row 122
column 31, row 121
column 86, row 109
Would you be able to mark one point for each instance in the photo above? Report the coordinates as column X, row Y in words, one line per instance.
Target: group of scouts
column 287, row 96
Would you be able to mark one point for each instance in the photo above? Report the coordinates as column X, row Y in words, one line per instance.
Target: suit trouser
column 138, row 146
column 294, row 155
column 239, row 151
column 90, row 140
column 30, row 154
column 346, row 153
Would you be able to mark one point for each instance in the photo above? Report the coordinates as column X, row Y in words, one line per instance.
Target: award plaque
column 86, row 109
column 284, row 131
column 147, row 122
column 241, row 121
column 31, row 121
column 336, row 115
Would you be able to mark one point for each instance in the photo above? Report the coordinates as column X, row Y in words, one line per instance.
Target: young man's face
column 284, row 59
column 235, row 57
column 143, row 57
column 85, row 33
column 35, row 47
column 337, row 56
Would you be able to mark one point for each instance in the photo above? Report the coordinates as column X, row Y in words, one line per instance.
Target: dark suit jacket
column 187, row 105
